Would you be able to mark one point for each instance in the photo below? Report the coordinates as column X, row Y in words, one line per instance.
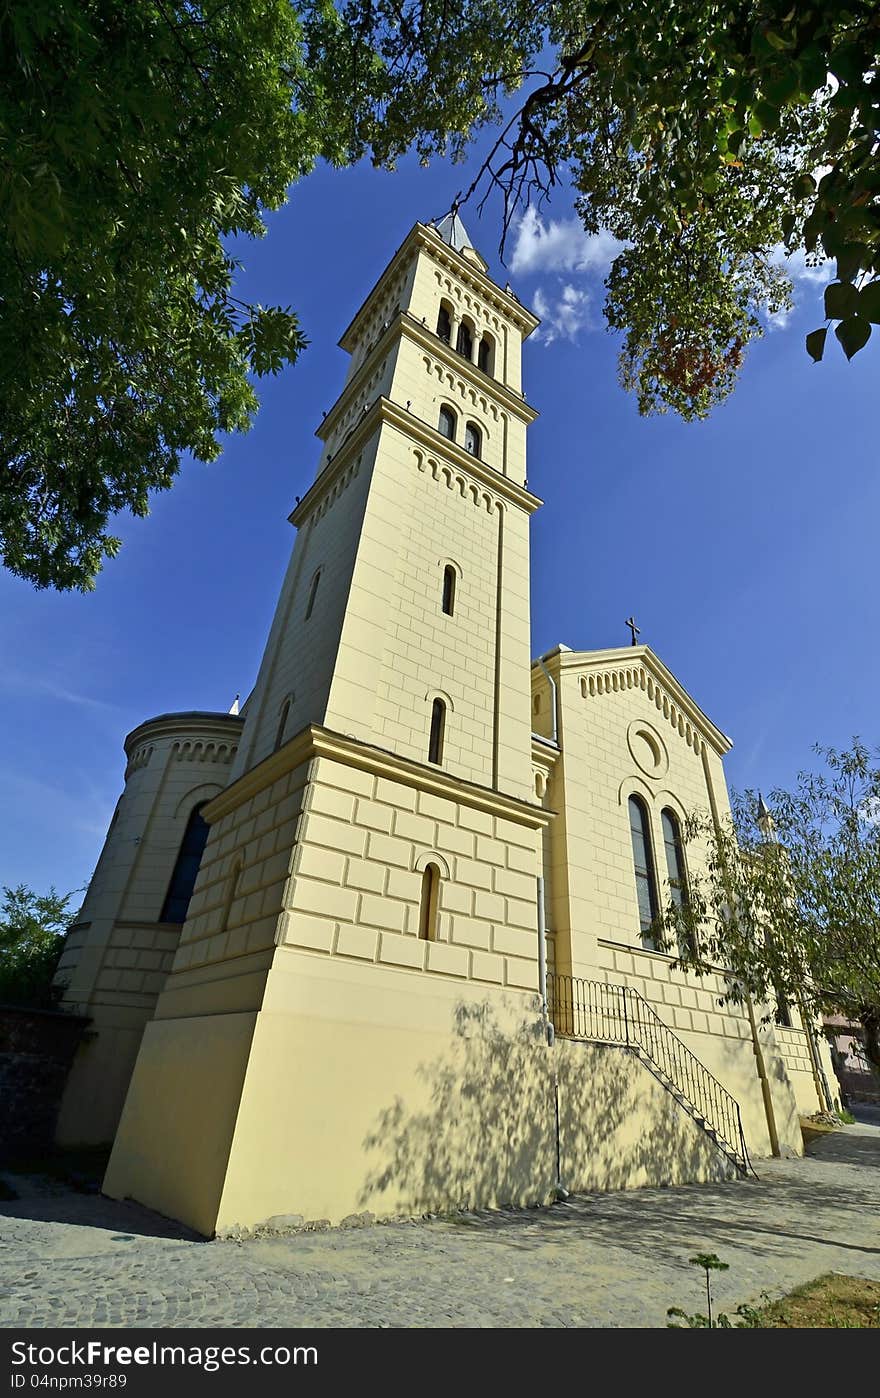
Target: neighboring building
column 858, row 1080
column 344, row 1011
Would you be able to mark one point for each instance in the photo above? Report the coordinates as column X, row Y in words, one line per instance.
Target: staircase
column 616, row 1014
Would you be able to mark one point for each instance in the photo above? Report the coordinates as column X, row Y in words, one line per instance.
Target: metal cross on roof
column 631, row 623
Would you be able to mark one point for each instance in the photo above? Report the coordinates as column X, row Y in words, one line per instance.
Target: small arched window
column 464, row 342
column 282, row 724
column 643, row 862
column 446, row 423
column 444, row 323
column 186, row 868
column 438, row 731
column 675, row 866
column 486, row 354
column 429, row 903
column 449, row 589
column 313, row 592
column 473, row 439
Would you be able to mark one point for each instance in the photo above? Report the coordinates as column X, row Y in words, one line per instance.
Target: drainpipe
column 542, row 959
column 757, row 1047
column 559, row 1189
column 554, row 692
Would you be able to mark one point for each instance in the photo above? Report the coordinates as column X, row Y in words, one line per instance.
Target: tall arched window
column 313, row 592
column 186, row 868
column 464, row 342
column 449, row 589
column 282, row 724
column 446, row 423
column 473, row 439
column 675, row 866
column 429, row 904
column 643, row 862
column 438, row 729
column 444, row 323
column 486, row 354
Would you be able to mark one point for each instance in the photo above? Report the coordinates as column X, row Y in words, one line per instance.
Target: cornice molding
column 383, row 410
column 423, row 236
column 543, row 753
column 314, row 741
column 493, row 388
column 406, row 324
column 192, row 724
column 472, row 466
column 626, row 667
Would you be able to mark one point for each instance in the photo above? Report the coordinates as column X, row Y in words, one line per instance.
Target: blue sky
column 746, row 546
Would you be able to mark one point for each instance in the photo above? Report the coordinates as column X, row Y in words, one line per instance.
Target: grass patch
column 832, row 1302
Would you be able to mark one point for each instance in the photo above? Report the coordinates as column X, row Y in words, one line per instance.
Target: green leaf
column 869, row 302
column 841, row 300
column 853, row 334
column 816, row 344
column 768, row 115
column 851, row 258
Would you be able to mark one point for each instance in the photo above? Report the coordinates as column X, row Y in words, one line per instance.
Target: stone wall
column 36, row 1050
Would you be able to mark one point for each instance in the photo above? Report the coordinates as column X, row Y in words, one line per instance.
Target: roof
column 455, row 235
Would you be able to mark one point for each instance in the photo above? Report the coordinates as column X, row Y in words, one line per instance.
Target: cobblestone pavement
column 594, row 1260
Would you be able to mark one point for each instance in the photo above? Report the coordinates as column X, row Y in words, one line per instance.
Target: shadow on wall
column 487, row 1137
column 620, row 1128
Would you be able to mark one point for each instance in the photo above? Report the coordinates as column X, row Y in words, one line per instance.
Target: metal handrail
column 617, row 1014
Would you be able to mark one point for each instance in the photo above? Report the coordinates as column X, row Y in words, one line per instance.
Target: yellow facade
column 352, row 1019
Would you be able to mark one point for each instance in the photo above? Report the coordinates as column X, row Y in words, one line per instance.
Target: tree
column 139, row 139
column 140, row 142
column 790, row 903
column 707, row 137
column 32, row 928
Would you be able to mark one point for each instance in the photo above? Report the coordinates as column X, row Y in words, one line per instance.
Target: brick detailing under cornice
column 636, row 677
column 204, row 752
column 139, row 758
column 454, row 480
column 449, row 284
column 466, row 392
column 343, row 480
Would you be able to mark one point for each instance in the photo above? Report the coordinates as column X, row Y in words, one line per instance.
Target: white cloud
column 560, row 247
column 563, row 314
column 803, row 275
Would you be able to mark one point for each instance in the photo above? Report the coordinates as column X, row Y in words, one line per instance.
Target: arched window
column 313, row 592
column 187, row 867
column 464, row 342
column 473, row 439
column 438, row 729
column 643, row 861
column 446, row 423
column 282, row 724
column 429, row 904
column 449, row 589
column 486, row 354
column 675, row 866
column 444, row 323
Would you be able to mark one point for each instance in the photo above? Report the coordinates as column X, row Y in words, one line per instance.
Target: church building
column 380, row 944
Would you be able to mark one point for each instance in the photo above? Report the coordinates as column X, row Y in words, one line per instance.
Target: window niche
column 429, row 903
column 473, row 439
column 643, row 864
column 448, row 598
column 447, row 422
column 438, row 731
column 186, row 867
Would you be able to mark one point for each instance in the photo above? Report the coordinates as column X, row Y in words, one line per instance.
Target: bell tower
column 420, row 486
column 366, row 900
